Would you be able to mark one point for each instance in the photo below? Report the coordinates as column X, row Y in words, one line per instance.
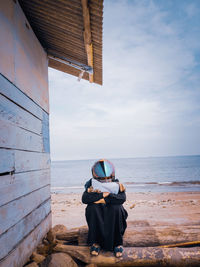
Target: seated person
column 105, row 215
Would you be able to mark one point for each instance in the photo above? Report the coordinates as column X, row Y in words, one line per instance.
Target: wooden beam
column 185, row 244
column 136, row 256
column 87, row 36
column 144, row 236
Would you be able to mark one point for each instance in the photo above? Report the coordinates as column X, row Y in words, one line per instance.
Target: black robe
column 106, row 222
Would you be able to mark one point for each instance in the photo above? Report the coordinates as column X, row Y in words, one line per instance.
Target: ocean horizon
column 147, row 174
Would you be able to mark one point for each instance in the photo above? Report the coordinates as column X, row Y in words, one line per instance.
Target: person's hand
column 90, row 189
column 100, row 201
column 122, row 188
column 105, row 194
column 97, row 191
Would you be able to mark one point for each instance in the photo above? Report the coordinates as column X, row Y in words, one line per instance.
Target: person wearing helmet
column 105, row 215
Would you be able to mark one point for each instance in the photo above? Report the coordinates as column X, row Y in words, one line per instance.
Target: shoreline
column 136, row 187
column 154, row 207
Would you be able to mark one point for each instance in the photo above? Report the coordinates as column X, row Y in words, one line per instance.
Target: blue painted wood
column 6, row 179
column 22, row 161
column 31, row 161
column 12, row 136
column 45, row 132
column 16, row 233
column 16, row 95
column 19, row 255
column 17, row 185
column 14, row 211
column 7, row 161
column 22, row 118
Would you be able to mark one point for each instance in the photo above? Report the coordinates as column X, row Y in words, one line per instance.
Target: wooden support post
column 140, row 256
column 87, row 36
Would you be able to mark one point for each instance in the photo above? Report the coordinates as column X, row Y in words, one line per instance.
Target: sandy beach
column 169, row 207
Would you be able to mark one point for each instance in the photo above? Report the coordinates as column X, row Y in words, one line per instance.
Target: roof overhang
column 71, row 33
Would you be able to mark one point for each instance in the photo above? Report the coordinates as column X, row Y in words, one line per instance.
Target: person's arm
column 91, row 197
column 119, row 198
column 102, row 200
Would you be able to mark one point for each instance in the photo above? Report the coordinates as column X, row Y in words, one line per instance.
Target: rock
column 132, row 206
column 43, row 249
column 59, row 228
column 58, row 260
column 37, row 257
column 51, row 236
column 45, row 242
column 32, row 264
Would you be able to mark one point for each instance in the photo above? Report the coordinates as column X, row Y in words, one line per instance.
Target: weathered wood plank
column 30, row 161
column 22, row 161
column 23, row 59
column 16, row 233
column 31, row 62
column 15, row 137
column 16, row 95
column 14, row 113
column 17, row 185
column 7, row 160
column 87, row 36
column 14, row 211
column 19, row 256
column 45, row 132
column 153, row 235
column 7, row 67
column 140, row 256
column 6, row 179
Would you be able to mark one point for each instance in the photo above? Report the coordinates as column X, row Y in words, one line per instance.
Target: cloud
column 149, row 103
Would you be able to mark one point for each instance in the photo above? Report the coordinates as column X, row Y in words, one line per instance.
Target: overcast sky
column 149, row 104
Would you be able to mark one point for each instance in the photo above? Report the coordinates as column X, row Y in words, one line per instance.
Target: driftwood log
column 140, row 256
column 142, row 234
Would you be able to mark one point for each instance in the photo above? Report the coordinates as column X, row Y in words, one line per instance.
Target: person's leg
column 118, row 251
column 95, row 220
column 95, row 249
column 115, row 225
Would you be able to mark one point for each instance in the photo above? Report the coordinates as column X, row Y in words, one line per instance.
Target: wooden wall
column 23, row 60
column 25, row 212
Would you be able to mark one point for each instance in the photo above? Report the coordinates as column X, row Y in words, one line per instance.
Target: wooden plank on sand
column 136, row 256
column 151, row 235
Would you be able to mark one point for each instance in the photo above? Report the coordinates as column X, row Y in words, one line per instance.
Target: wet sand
column 169, row 207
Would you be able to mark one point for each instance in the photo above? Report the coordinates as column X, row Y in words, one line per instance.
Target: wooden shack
column 65, row 35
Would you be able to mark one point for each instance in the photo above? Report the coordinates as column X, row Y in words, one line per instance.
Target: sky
column 149, row 104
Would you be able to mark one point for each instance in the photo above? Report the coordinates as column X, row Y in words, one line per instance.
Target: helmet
column 103, row 169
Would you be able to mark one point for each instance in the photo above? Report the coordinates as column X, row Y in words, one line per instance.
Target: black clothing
column 106, row 222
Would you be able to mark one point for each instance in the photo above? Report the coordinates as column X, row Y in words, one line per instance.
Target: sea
column 150, row 174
